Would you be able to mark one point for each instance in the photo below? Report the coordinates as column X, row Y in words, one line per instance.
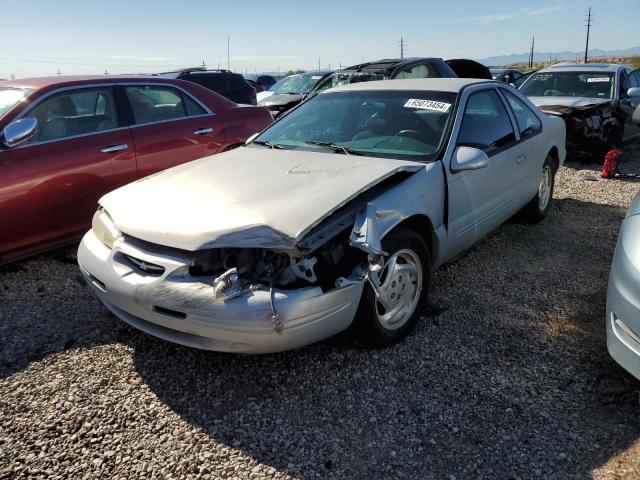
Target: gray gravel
column 507, row 376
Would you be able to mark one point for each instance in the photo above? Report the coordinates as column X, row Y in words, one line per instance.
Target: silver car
column 623, row 294
column 335, row 216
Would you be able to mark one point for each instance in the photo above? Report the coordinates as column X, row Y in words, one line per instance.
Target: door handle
column 114, row 148
column 520, row 159
column 203, row 131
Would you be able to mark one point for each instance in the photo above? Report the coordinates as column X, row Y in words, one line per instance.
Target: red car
column 66, row 141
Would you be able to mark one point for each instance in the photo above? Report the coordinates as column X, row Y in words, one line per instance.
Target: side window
column 150, row 103
column 624, row 84
column 528, row 122
column 421, row 70
column 192, row 107
column 72, row 113
column 634, row 79
column 485, row 124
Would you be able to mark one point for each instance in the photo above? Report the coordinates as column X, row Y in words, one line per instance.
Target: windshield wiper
column 268, row 144
column 338, row 148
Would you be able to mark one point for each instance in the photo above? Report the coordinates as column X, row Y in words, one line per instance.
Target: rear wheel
column 539, row 206
column 389, row 313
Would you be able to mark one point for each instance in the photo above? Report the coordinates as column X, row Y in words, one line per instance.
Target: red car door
column 170, row 127
column 50, row 185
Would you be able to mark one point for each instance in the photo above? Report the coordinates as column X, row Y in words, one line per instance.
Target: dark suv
column 228, row 84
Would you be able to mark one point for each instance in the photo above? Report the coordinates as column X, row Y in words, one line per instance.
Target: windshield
column 408, row 125
column 9, row 97
column 298, row 84
column 570, row 84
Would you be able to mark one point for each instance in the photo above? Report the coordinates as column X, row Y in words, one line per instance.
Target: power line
column 588, row 25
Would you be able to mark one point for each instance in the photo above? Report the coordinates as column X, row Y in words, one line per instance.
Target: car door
column 170, row 127
column 480, row 200
column 629, row 104
column 51, row 184
column 530, row 150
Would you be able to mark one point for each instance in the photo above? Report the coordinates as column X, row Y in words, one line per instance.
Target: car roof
column 453, row 85
column 72, row 80
column 583, row 67
column 388, row 64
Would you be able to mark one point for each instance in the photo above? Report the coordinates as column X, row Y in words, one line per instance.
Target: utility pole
column 586, row 48
column 204, row 65
column 533, row 42
column 228, row 56
column 13, row 77
column 58, row 72
column 106, row 72
column 401, row 47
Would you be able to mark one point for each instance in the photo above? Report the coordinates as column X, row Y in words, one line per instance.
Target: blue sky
column 41, row 37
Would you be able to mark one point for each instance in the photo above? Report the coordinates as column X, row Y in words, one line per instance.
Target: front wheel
column 389, row 313
column 539, row 206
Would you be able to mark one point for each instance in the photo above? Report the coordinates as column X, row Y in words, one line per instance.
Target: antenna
column 318, row 63
column 13, row 77
column 204, row 65
column 588, row 25
column 228, row 57
column 58, row 72
column 106, row 72
column 402, row 44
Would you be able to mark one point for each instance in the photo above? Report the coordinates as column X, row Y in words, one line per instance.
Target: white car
column 334, row 216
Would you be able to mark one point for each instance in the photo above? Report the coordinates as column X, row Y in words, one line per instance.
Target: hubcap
column 400, row 288
column 544, row 190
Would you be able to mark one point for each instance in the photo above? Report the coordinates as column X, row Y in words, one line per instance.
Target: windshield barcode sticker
column 428, row 105
column 597, row 79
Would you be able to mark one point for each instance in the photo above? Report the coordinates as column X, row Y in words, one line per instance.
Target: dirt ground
column 506, row 376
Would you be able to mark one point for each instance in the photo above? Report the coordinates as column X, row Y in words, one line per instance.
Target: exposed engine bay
column 591, row 129
column 280, row 269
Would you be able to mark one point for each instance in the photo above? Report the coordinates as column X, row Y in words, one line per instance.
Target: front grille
column 146, row 268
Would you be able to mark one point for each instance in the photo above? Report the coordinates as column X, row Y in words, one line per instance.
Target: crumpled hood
column 572, row 102
column 250, row 197
column 281, row 99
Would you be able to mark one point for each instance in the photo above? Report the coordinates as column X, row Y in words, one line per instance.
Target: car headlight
column 104, row 228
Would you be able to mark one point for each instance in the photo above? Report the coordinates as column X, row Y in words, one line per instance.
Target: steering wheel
column 408, row 133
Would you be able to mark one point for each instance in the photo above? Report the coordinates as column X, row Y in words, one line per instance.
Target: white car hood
column 262, row 95
column 250, row 197
column 573, row 102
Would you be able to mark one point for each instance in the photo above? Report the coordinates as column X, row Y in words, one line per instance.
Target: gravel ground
column 506, row 376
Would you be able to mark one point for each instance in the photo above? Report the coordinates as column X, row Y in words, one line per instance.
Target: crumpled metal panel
column 591, row 129
column 245, row 198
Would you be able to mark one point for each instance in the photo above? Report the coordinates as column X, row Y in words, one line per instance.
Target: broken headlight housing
column 104, row 228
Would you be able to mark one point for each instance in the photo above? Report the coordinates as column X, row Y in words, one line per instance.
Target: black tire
column 537, row 209
column 367, row 326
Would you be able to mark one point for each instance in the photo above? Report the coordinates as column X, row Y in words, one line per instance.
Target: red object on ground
column 96, row 134
column 610, row 163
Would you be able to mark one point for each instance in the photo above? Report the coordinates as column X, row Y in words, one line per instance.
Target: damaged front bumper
column 155, row 293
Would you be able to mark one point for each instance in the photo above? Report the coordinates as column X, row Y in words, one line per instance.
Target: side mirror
column 635, row 119
column 468, row 158
column 251, row 138
column 633, row 92
column 19, row 131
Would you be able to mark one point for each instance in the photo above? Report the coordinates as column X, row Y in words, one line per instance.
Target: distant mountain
column 566, row 55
